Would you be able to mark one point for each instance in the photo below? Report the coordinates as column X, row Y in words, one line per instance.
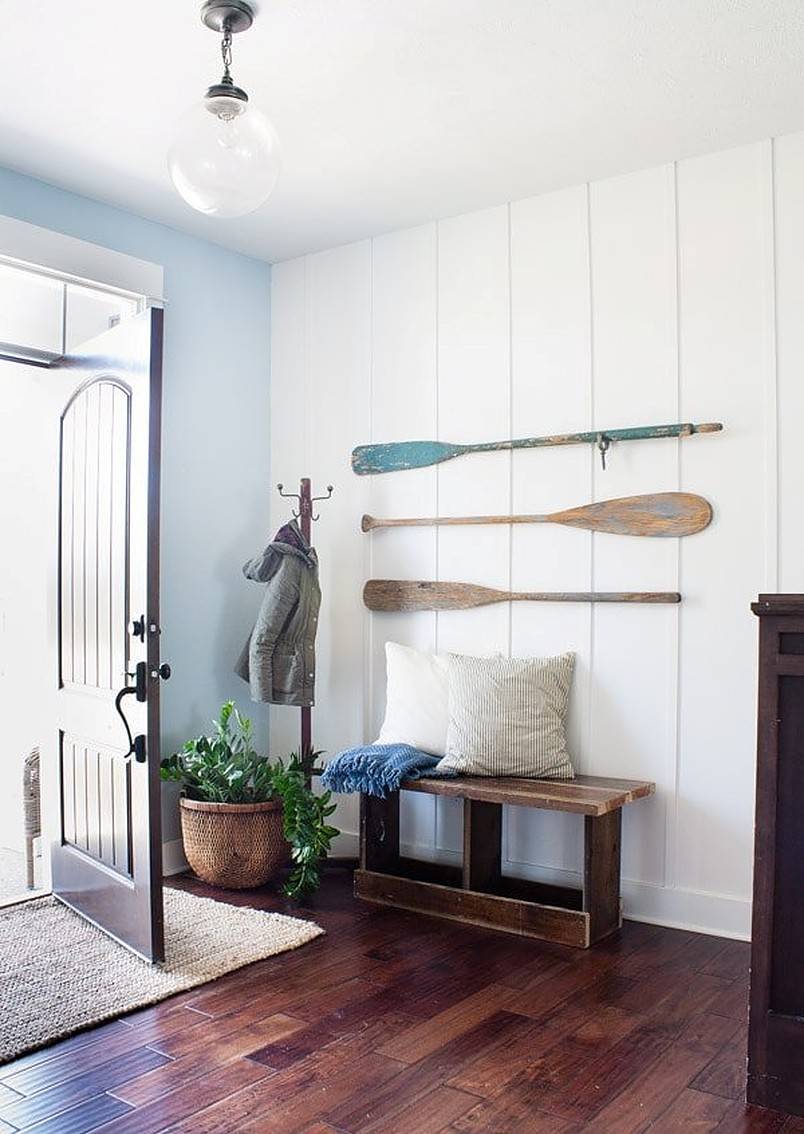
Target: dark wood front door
column 106, row 854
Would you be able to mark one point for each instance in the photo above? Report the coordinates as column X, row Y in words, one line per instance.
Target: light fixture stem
column 226, row 53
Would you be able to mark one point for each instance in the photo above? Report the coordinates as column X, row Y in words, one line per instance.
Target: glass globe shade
column 224, row 160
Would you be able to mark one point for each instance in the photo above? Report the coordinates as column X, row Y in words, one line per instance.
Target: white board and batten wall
column 670, row 294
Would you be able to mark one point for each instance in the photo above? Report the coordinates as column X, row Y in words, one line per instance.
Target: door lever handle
column 136, row 744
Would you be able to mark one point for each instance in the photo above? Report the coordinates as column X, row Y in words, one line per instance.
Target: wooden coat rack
column 305, row 517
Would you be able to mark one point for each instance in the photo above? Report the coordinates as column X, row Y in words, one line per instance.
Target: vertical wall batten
column 771, row 418
column 789, row 214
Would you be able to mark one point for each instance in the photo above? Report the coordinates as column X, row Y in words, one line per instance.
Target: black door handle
column 136, row 744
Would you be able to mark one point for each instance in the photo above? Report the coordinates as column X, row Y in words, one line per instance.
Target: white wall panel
column 633, row 706
column 646, row 299
column 404, row 405
column 289, row 451
column 338, row 413
column 551, row 353
column 724, row 274
column 474, row 404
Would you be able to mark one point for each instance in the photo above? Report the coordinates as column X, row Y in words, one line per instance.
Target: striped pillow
column 507, row 716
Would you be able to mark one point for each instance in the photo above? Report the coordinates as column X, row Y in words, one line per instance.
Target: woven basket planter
column 234, row 845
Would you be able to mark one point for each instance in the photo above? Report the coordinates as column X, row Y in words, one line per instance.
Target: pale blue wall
column 215, row 451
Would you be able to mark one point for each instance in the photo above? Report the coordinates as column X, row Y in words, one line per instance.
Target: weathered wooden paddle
column 396, row 455
column 660, row 514
column 401, row 594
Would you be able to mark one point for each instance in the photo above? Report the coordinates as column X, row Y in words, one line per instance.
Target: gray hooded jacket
column 278, row 660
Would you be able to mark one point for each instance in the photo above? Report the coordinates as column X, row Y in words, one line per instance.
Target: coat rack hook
column 291, row 496
column 313, row 499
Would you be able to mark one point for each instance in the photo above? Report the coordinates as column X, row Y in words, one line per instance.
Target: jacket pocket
column 288, row 672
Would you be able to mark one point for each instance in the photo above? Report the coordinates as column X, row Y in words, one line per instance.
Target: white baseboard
column 344, row 845
column 720, row 915
column 173, row 860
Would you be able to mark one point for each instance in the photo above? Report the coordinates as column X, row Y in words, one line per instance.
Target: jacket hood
column 287, row 543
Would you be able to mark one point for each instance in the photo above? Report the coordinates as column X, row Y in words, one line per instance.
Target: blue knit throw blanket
column 377, row 769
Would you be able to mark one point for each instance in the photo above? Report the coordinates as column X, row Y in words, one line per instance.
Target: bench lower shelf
column 512, row 914
column 479, row 892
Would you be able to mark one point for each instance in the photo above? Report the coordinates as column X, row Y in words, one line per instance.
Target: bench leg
column 601, row 874
column 379, row 833
column 482, row 845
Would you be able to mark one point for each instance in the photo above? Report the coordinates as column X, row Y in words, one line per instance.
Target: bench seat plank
column 585, row 795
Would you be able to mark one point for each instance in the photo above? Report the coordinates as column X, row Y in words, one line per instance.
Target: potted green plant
column 243, row 816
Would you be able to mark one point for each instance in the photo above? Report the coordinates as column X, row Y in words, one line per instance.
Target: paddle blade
column 397, row 455
column 401, row 594
column 660, row 514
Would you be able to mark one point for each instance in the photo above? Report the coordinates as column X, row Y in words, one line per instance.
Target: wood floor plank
column 73, row 1061
column 45, row 1104
column 491, row 1074
column 287, row 1101
column 63, row 1047
column 581, row 1097
column 422, row 1039
column 690, row 1111
column 732, row 962
column 154, row 1027
column 430, row 1114
column 380, row 1104
column 181, row 1071
column 86, row 1116
column 197, row 1094
column 198, row 1039
column 649, row 1095
column 732, row 1001
column 725, row 1074
column 8, row 1096
column 511, row 1114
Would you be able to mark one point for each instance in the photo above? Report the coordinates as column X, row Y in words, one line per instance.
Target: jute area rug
column 59, row 974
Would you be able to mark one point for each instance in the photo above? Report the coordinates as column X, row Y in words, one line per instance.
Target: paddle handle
column 369, row 523
column 595, row 596
column 632, row 433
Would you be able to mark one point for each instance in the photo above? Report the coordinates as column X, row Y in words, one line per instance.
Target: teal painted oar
column 397, row 455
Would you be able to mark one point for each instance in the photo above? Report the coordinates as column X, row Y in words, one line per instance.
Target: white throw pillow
column 417, row 699
column 507, row 717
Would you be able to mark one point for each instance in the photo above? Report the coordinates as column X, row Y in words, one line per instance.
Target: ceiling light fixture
column 224, row 160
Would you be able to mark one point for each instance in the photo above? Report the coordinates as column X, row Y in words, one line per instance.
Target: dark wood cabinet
column 776, row 1028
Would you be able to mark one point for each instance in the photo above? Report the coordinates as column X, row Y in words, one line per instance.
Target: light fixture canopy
column 224, row 160
column 227, row 15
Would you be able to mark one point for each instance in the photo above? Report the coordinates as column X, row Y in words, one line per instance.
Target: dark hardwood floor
column 399, row 1024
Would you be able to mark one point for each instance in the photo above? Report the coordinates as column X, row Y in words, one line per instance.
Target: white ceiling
column 393, row 112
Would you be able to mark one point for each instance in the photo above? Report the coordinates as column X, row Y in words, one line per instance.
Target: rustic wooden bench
column 478, row 892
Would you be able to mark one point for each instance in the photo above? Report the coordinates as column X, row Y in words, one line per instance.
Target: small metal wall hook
column 603, row 445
